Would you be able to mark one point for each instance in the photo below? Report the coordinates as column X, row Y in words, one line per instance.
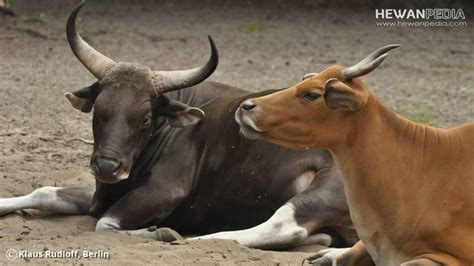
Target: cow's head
column 315, row 112
column 127, row 99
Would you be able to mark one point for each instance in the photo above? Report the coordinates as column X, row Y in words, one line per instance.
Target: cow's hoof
column 329, row 257
column 165, row 234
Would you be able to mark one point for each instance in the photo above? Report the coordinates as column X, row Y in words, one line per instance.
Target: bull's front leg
column 281, row 230
column 139, row 207
column 54, row 199
column 295, row 223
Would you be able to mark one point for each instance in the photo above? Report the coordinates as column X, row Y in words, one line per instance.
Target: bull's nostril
column 248, row 105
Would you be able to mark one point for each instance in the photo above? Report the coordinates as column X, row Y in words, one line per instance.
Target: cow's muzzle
column 244, row 116
column 108, row 170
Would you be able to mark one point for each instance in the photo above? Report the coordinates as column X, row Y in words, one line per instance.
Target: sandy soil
column 430, row 79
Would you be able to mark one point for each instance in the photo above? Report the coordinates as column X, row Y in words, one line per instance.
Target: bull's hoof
column 165, row 234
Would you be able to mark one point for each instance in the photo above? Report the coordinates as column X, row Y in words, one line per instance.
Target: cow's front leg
column 422, row 262
column 356, row 255
column 138, row 208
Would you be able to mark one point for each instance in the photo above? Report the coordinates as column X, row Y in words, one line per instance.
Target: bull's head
column 315, row 112
column 126, row 99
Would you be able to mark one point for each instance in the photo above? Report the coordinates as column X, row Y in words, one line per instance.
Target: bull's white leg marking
column 44, row 198
column 107, row 224
column 280, row 230
column 303, row 181
column 113, row 224
column 317, row 239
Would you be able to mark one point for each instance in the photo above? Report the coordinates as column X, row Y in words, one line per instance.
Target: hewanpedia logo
column 428, row 17
column 428, row 13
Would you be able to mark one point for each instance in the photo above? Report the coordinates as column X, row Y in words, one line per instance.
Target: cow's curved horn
column 309, row 75
column 368, row 64
column 96, row 62
column 173, row 80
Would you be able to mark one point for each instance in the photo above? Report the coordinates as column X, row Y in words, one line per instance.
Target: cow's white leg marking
column 328, row 257
column 45, row 198
column 280, row 230
column 113, row 224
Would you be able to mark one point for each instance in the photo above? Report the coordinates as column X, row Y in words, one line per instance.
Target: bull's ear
column 339, row 95
column 188, row 117
column 83, row 99
column 182, row 115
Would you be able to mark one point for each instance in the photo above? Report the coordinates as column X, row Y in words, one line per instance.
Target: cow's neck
column 381, row 139
column 389, row 165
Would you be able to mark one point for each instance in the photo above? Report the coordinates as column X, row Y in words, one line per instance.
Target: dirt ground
column 429, row 79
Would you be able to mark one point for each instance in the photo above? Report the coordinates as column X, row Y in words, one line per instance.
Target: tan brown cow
column 410, row 186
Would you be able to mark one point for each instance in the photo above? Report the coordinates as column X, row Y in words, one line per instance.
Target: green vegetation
column 255, row 27
column 425, row 116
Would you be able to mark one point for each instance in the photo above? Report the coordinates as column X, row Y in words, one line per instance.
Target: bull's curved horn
column 96, row 62
column 368, row 64
column 173, row 80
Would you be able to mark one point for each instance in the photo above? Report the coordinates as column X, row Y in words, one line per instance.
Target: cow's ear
column 339, row 95
column 83, row 99
column 180, row 114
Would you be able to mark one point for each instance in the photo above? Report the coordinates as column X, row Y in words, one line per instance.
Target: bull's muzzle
column 108, row 169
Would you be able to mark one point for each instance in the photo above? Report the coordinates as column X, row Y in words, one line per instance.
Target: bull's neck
column 198, row 95
column 187, row 96
column 162, row 134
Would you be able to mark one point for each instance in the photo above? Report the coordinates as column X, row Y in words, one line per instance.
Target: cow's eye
column 146, row 121
column 311, row 96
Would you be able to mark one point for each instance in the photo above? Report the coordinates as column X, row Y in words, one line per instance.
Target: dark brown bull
column 151, row 169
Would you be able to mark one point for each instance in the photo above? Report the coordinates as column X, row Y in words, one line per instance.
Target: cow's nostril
column 108, row 165
column 248, row 105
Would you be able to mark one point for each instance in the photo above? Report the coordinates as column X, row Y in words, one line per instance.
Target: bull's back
column 241, row 182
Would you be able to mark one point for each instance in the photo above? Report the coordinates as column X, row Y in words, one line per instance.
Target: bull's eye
column 146, row 121
column 310, row 96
